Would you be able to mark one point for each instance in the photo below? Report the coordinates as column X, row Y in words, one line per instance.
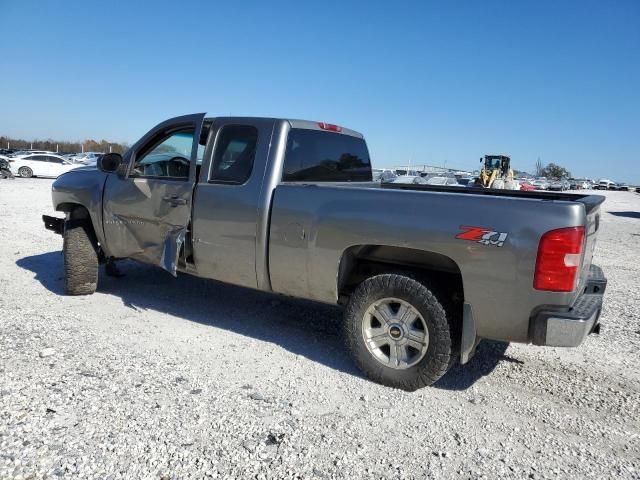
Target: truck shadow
column 626, row 214
column 305, row 328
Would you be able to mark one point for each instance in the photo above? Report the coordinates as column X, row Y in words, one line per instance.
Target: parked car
column 24, row 153
column 605, row 184
column 288, row 206
column 383, row 175
column 87, row 158
column 540, row 184
column 445, row 181
column 5, row 169
column 40, row 165
column 557, row 186
column 409, row 179
column 622, row 187
column 465, row 181
column 526, row 186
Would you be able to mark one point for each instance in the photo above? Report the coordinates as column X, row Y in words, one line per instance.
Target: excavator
column 496, row 173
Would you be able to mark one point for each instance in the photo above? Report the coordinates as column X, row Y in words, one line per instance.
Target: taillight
column 558, row 262
column 329, row 126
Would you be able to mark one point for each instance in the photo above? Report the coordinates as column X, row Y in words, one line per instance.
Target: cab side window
column 168, row 156
column 234, row 154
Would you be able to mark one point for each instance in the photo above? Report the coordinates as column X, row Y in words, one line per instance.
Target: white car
column 40, row 165
column 540, row 184
column 24, row 153
column 410, row 179
column 606, row 184
column 87, row 158
column 444, row 181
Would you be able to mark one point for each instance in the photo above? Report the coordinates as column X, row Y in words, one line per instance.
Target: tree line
column 551, row 170
column 62, row 146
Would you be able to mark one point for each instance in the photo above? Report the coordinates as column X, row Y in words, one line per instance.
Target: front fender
column 82, row 186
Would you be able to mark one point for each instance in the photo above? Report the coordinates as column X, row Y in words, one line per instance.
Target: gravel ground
column 154, row 377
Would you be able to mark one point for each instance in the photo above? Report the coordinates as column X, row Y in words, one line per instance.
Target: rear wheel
column 397, row 332
column 25, row 172
column 80, row 258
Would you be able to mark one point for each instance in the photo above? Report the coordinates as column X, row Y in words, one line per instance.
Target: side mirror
column 480, row 159
column 109, row 162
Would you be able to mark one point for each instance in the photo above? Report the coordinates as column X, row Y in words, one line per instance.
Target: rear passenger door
column 228, row 202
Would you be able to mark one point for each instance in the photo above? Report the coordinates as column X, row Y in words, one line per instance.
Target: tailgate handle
column 175, row 200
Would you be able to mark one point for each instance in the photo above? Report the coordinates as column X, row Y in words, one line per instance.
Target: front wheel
column 397, row 332
column 80, row 259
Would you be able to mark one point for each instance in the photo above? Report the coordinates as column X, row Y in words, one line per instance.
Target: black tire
column 25, row 172
column 80, row 258
column 439, row 355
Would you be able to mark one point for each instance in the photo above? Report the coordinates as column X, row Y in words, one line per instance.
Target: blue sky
column 433, row 82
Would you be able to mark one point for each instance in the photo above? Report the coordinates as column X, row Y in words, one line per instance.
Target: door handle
column 175, row 200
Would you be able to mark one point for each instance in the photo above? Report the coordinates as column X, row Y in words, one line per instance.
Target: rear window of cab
column 319, row 156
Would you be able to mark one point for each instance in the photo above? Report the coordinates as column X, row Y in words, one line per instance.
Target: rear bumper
column 569, row 327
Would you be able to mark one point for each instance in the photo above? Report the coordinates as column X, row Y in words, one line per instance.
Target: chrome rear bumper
column 569, row 327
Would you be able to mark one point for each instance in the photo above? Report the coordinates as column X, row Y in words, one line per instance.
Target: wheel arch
column 362, row 261
column 438, row 272
column 78, row 212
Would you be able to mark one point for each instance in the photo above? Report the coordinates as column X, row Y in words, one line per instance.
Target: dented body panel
column 147, row 218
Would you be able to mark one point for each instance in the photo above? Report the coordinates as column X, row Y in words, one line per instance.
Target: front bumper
column 54, row 224
column 569, row 328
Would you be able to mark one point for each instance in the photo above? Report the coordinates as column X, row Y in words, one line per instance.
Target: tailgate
column 591, row 228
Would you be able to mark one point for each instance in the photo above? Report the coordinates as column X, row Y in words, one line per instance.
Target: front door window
column 167, row 157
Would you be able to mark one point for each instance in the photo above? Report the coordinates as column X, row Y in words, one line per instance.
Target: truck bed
column 590, row 201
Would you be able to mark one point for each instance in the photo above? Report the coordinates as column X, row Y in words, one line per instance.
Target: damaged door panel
column 147, row 207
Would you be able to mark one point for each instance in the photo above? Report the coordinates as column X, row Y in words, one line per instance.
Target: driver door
column 147, row 205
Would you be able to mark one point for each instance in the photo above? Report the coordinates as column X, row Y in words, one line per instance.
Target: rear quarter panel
column 313, row 225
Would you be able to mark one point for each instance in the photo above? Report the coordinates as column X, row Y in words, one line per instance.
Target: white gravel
column 154, row 377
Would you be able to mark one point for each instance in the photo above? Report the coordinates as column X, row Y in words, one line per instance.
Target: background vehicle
column 526, row 187
column 289, row 206
column 556, row 186
column 5, row 170
column 540, row 184
column 559, row 185
column 409, row 179
column 383, row 175
column 622, row 187
column 443, row 180
column 465, row 181
column 40, row 165
column 23, row 153
column 605, row 184
column 87, row 158
column 497, row 172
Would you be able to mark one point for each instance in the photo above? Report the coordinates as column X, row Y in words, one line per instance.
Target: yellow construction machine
column 496, row 172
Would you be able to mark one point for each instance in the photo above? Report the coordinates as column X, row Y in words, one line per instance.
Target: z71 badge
column 483, row 235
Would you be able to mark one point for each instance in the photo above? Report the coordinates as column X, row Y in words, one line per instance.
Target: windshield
column 492, row 163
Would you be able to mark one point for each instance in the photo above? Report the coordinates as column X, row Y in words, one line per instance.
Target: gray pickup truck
column 289, row 206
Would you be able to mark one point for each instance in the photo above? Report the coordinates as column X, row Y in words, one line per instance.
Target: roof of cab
column 295, row 123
